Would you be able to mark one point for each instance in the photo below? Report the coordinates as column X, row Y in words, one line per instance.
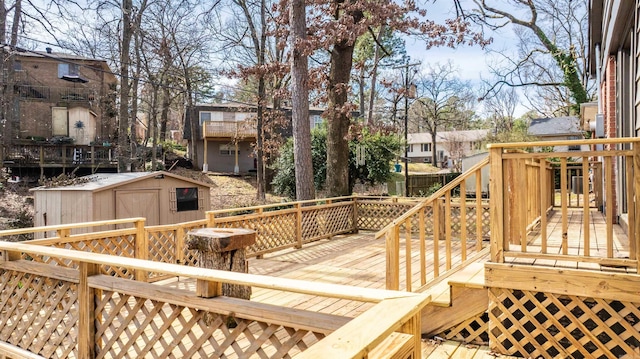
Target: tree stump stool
column 223, row 249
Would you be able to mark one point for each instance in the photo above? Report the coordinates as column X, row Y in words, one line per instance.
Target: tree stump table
column 223, row 249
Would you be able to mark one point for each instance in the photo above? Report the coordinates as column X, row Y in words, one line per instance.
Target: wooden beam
column 636, row 202
column 586, row 211
column 563, row 204
column 585, row 283
column 359, row 336
column 392, row 242
column 86, row 311
column 496, row 200
column 608, row 170
column 254, row 280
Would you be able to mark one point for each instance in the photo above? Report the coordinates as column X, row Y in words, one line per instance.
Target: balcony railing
column 56, row 94
column 52, row 155
column 229, row 129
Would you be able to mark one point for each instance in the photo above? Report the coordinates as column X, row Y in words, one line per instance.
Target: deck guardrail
column 51, row 310
column 591, row 173
column 449, row 217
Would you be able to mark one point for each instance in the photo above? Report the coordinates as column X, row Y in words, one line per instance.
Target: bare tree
column 501, row 109
column 551, row 55
column 441, row 103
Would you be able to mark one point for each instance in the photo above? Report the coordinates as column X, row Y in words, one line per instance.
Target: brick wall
column 610, row 113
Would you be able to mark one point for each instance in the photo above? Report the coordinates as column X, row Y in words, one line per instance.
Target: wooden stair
column 455, row 298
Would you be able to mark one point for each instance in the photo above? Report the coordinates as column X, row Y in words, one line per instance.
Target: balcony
column 228, row 129
column 56, row 94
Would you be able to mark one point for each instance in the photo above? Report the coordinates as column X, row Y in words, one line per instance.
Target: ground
column 16, row 209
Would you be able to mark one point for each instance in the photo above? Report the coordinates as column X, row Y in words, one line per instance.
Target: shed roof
column 103, row 181
column 554, row 126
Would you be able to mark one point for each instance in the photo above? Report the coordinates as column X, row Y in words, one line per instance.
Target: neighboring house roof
column 58, row 56
column 448, row 136
column 555, row 126
column 246, row 107
column 104, row 181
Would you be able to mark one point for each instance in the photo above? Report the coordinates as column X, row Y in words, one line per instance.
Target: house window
column 204, row 116
column 187, row 199
column 316, row 121
column 70, row 72
column 228, row 116
column 425, row 147
column 228, row 150
column 410, row 148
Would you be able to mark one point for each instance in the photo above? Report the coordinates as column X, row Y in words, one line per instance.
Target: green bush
column 380, row 149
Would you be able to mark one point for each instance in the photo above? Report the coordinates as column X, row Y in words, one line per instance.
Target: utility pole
column 407, row 95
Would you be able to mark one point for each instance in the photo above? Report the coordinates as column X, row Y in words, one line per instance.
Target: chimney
column 48, row 50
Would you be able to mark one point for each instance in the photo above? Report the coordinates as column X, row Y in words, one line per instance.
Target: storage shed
column 161, row 197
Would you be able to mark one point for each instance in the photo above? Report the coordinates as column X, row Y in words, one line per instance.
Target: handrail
column 11, row 232
column 254, row 280
column 596, row 141
column 439, row 193
column 440, row 222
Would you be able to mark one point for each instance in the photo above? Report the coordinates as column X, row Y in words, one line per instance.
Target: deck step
column 456, row 298
column 471, row 276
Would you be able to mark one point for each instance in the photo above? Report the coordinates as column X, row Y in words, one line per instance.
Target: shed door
column 59, row 121
column 139, row 203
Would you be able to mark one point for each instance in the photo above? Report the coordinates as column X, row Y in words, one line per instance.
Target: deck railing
column 585, row 180
column 451, row 217
column 62, row 155
column 231, row 129
column 278, row 226
column 53, row 310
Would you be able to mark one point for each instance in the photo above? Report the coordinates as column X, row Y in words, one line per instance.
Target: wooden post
column 413, row 326
column 543, row 204
column 479, row 211
column 298, row 225
column 392, row 242
column 86, row 311
column 563, row 201
column 585, row 206
column 356, row 228
column 222, row 249
column 141, row 249
column 631, row 207
column 447, row 228
column 436, row 238
column 211, row 220
column 180, row 239
column 423, row 250
column 463, row 219
column 407, row 254
column 496, row 204
column 608, row 170
column 636, row 204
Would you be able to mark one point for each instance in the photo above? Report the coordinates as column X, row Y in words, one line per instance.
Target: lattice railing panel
column 162, row 246
column 39, row 314
column 121, row 246
column 327, row 221
column 473, row 330
column 273, row 232
column 375, row 215
column 546, row 325
column 162, row 330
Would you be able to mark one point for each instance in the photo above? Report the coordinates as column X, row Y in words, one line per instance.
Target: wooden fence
column 520, row 202
column 448, row 217
column 52, row 309
column 419, row 185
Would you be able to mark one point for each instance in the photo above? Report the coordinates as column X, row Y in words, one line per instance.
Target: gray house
column 558, row 128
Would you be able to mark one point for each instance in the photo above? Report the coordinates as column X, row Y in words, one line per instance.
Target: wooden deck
column 434, row 349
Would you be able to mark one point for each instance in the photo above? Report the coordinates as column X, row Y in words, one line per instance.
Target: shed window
column 187, row 199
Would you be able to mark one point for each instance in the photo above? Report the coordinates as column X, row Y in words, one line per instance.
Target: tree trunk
column 123, row 113
column 262, row 98
column 374, row 77
column 300, row 103
column 434, row 158
column 363, row 110
column 338, row 125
